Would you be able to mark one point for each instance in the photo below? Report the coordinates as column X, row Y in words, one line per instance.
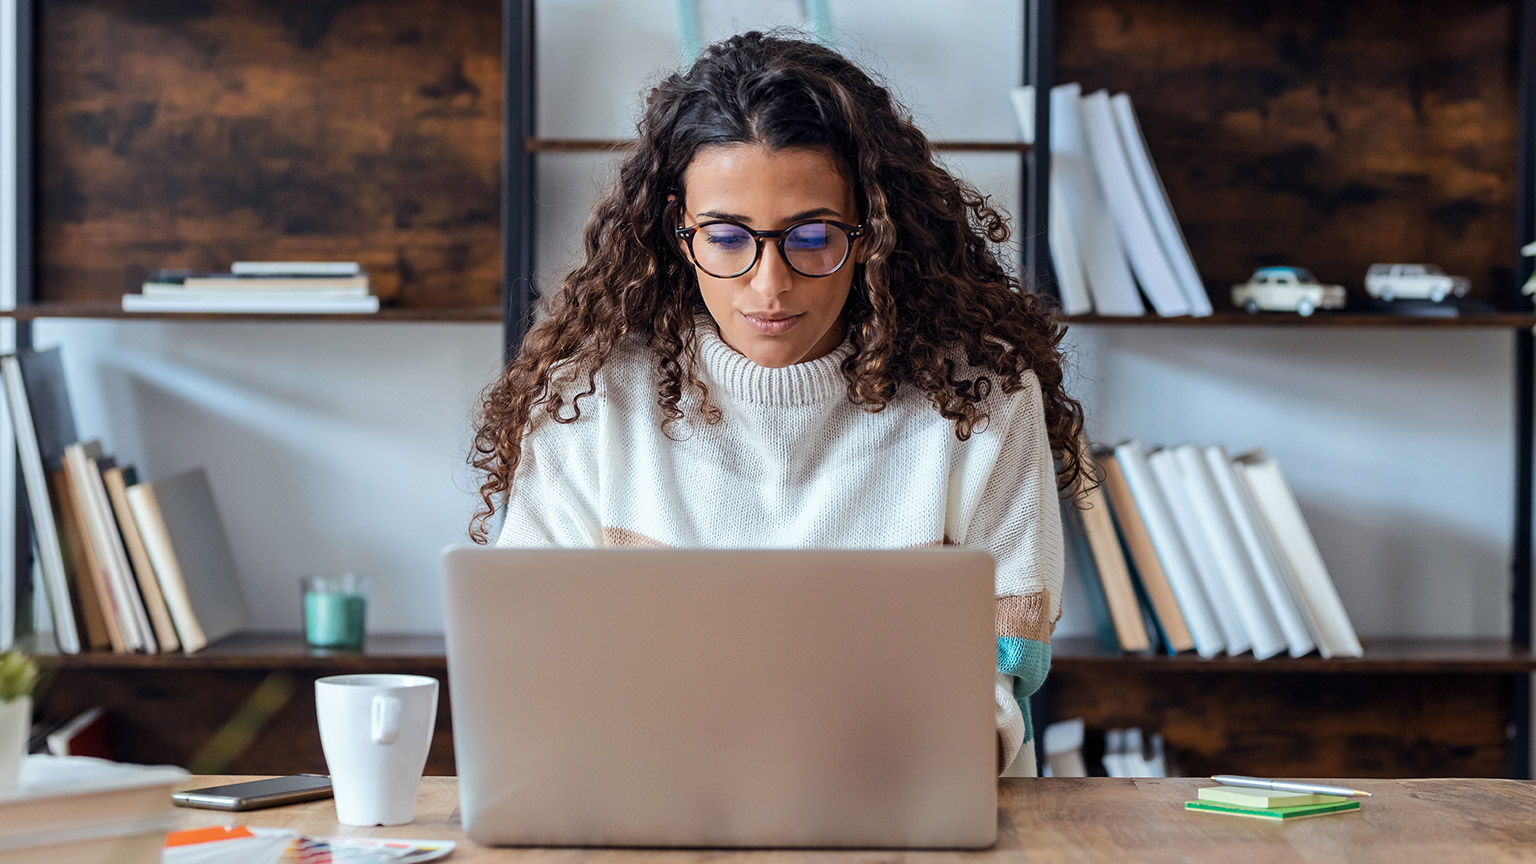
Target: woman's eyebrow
column 737, row 217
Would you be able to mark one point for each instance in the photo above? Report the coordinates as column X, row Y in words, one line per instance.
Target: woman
column 791, row 329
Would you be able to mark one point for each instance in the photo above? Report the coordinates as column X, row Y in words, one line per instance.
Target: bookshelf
column 167, row 135
column 1457, row 698
column 1323, row 135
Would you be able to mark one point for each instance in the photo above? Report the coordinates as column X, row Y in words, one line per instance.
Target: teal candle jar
column 335, row 610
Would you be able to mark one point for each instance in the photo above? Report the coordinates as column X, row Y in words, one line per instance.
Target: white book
column 1281, row 561
column 1108, row 272
column 307, row 286
column 1128, row 210
column 263, row 303
column 1232, row 564
column 1283, row 513
column 1171, row 553
column 296, row 268
column 102, row 534
column 1170, row 478
column 34, row 478
column 1159, row 208
column 1066, row 258
column 1261, row 552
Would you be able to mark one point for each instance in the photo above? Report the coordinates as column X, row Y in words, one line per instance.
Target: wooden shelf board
column 601, row 145
column 1497, row 320
column 381, row 652
column 404, row 652
column 1396, row 655
column 485, row 314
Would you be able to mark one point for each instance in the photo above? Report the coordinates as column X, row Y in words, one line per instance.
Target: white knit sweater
column 794, row 463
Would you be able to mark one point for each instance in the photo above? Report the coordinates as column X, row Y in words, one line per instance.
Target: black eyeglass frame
column 853, row 232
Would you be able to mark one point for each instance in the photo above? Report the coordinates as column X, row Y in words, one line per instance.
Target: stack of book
column 277, row 287
column 125, row 565
column 1185, row 548
column 1112, row 229
column 81, row 809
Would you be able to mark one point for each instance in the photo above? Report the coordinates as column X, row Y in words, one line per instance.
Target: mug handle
column 386, row 719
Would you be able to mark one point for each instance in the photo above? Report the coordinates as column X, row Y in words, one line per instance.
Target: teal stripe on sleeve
column 1028, row 662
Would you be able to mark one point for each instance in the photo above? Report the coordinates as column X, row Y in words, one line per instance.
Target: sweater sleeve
column 1017, row 519
column 554, row 495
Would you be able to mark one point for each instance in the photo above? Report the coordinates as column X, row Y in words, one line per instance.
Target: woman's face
column 771, row 314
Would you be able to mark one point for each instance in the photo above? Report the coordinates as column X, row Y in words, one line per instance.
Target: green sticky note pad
column 1274, row 814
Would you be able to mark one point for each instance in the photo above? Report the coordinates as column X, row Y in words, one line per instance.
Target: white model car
column 1286, row 289
column 1413, row 282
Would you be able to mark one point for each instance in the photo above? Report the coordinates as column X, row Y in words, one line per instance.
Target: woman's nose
column 772, row 276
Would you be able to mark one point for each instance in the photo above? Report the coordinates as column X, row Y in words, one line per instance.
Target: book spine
column 1087, row 572
column 1105, row 266
column 296, row 268
column 1283, row 513
column 50, row 552
column 1232, row 565
column 1127, row 209
column 1143, row 555
column 1159, row 207
column 143, row 571
column 1114, row 574
column 1171, row 553
column 157, row 541
column 1298, row 641
column 117, row 557
column 92, row 615
column 1170, row 479
column 264, row 305
column 107, row 602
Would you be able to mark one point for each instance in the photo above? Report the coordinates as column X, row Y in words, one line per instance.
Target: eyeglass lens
column 812, row 248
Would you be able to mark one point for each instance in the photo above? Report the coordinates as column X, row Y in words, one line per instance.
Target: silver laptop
column 786, row 698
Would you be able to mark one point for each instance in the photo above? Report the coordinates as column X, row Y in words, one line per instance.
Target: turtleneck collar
column 735, row 377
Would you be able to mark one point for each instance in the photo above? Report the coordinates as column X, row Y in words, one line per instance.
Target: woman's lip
column 771, row 326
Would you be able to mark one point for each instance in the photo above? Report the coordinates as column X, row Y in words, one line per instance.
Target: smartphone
column 255, row 794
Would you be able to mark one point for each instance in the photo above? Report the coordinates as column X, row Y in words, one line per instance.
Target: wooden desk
column 1092, row 820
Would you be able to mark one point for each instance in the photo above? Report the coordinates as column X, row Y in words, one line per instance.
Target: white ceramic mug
column 375, row 731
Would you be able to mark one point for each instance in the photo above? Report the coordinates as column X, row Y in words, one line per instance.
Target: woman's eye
column 801, row 241
column 727, row 241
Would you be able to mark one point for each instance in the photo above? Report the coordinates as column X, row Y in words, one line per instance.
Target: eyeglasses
column 814, row 248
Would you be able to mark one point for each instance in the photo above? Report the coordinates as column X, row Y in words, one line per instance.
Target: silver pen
column 1287, row 785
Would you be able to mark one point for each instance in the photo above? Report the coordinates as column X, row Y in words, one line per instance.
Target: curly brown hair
column 931, row 280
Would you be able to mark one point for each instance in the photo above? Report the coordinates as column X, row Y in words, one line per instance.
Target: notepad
column 1242, row 796
column 1274, row 814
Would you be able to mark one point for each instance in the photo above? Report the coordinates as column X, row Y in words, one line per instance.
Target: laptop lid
column 660, row 697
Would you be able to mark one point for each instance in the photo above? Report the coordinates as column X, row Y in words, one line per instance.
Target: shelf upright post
column 517, row 174
column 1525, row 402
column 26, row 238
column 1039, row 72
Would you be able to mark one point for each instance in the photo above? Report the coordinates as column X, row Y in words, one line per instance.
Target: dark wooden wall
column 193, row 133
column 1323, row 134
column 246, row 720
column 1298, row 724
